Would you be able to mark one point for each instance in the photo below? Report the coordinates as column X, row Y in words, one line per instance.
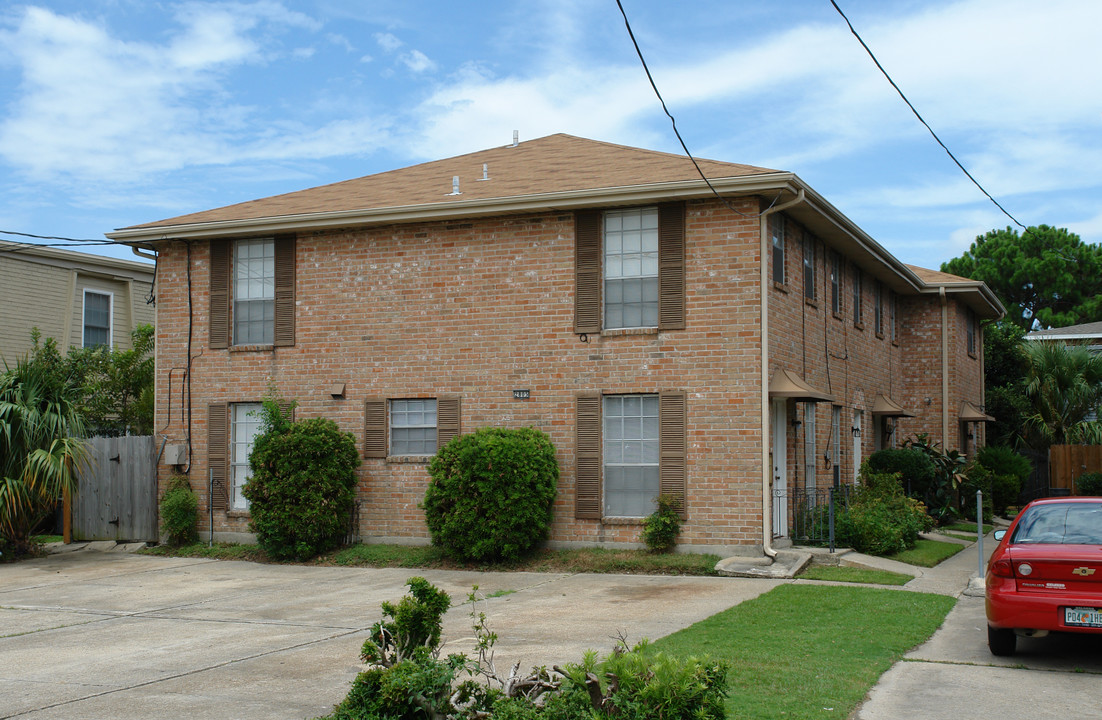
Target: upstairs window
column 776, row 225
column 970, row 322
column 836, row 283
column 857, row 318
column 631, row 268
column 809, row 267
column 893, row 318
column 878, row 309
column 253, row 292
column 97, row 319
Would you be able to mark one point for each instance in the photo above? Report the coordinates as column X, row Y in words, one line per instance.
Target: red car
column 1046, row 573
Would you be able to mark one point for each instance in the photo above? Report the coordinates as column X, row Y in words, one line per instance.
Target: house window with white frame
column 858, row 320
column 254, row 292
column 412, row 427
column 809, row 268
column 631, row 268
column 836, row 283
column 878, row 309
column 810, row 452
column 97, row 319
column 245, row 424
column 631, row 454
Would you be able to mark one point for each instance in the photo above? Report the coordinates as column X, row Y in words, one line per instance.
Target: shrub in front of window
column 179, row 511
column 303, row 485
column 915, row 468
column 880, row 519
column 490, row 493
column 661, row 528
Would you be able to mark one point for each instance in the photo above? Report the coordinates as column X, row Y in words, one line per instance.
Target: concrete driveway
column 114, row 635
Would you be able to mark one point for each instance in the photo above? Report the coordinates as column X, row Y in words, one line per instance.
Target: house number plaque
column 522, row 394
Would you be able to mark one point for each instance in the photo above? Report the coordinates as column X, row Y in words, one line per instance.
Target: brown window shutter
column 587, row 271
column 287, row 409
column 587, row 487
column 375, row 429
column 221, row 253
column 671, row 266
column 284, row 334
column 671, row 446
column 218, row 446
column 447, row 420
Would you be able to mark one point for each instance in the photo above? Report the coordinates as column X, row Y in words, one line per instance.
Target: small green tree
column 41, row 450
column 303, row 484
column 1064, row 386
column 491, row 492
column 179, row 511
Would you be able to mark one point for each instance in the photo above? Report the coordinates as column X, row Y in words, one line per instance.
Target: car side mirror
column 1000, row 534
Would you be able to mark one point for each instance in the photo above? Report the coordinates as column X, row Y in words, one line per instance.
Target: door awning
column 887, row 407
column 971, row 413
column 787, row 385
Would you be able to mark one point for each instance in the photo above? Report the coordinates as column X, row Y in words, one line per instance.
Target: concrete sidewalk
column 114, row 635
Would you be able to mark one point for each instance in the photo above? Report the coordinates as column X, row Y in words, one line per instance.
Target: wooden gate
column 116, row 497
column 1067, row 462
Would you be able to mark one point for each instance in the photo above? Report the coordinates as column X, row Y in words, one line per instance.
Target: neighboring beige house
column 77, row 298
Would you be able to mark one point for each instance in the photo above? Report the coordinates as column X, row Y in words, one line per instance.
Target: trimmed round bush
column 179, row 511
column 303, row 486
column 915, row 468
column 490, row 494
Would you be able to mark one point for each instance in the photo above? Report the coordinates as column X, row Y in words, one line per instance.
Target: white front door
column 780, row 468
column 858, row 420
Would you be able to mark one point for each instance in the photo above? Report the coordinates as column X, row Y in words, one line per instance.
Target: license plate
column 1083, row 617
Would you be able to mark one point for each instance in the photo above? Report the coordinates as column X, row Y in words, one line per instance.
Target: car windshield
column 1061, row 524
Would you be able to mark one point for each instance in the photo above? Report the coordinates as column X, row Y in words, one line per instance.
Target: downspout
column 148, row 256
column 944, row 368
column 766, row 466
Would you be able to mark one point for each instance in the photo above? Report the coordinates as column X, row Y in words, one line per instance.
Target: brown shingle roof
column 556, row 163
column 935, row 277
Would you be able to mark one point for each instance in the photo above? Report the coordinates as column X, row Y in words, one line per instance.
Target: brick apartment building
column 733, row 352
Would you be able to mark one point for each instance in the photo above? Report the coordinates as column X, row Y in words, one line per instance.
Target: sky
column 120, row 112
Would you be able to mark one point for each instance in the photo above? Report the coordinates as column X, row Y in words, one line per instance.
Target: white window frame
column 858, row 291
column 836, row 282
column 243, row 283
column 400, row 409
column 777, row 232
column 810, row 281
column 810, row 450
column 110, row 344
column 616, row 257
column 245, row 424
column 638, row 455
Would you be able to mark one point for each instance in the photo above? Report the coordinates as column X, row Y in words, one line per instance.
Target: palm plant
column 1064, row 387
column 41, row 449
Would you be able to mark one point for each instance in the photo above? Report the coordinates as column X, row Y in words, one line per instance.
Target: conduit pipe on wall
column 944, row 367
column 766, row 465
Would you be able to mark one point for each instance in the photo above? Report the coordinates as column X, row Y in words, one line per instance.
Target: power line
column 673, row 122
column 15, row 246
column 921, row 119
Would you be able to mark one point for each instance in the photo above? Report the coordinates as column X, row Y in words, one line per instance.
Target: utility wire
column 14, row 246
column 673, row 123
column 920, row 118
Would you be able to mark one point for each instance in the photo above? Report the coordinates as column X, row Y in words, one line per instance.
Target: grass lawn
column 927, row 553
column 966, row 528
column 841, row 573
column 591, row 560
column 810, row 651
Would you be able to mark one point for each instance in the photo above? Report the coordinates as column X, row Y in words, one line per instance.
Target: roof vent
column 516, row 138
column 455, row 186
column 485, row 173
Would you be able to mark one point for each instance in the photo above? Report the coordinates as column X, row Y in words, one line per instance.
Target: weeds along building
column 735, row 349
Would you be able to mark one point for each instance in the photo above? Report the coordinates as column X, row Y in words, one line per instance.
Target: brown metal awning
column 887, row 407
column 786, row 385
column 971, row 413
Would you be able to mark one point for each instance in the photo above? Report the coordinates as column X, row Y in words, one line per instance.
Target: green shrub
column 1089, row 484
column 979, row 478
column 880, row 519
column 661, row 528
column 1010, row 472
column 179, row 511
column 915, row 468
column 491, row 492
column 302, row 489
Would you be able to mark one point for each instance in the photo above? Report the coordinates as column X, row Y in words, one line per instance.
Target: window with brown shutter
column 375, row 440
column 279, row 325
column 410, row 427
column 447, row 420
column 631, row 294
column 217, row 449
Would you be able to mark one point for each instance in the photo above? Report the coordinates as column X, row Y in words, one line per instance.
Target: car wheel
column 1001, row 641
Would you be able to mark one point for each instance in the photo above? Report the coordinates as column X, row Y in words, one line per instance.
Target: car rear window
column 1063, row 524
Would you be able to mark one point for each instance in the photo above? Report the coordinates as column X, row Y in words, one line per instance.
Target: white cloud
column 388, row 42
column 417, row 61
column 304, row 53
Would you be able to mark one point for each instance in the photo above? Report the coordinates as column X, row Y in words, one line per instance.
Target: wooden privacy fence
column 1067, row 462
column 116, row 496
